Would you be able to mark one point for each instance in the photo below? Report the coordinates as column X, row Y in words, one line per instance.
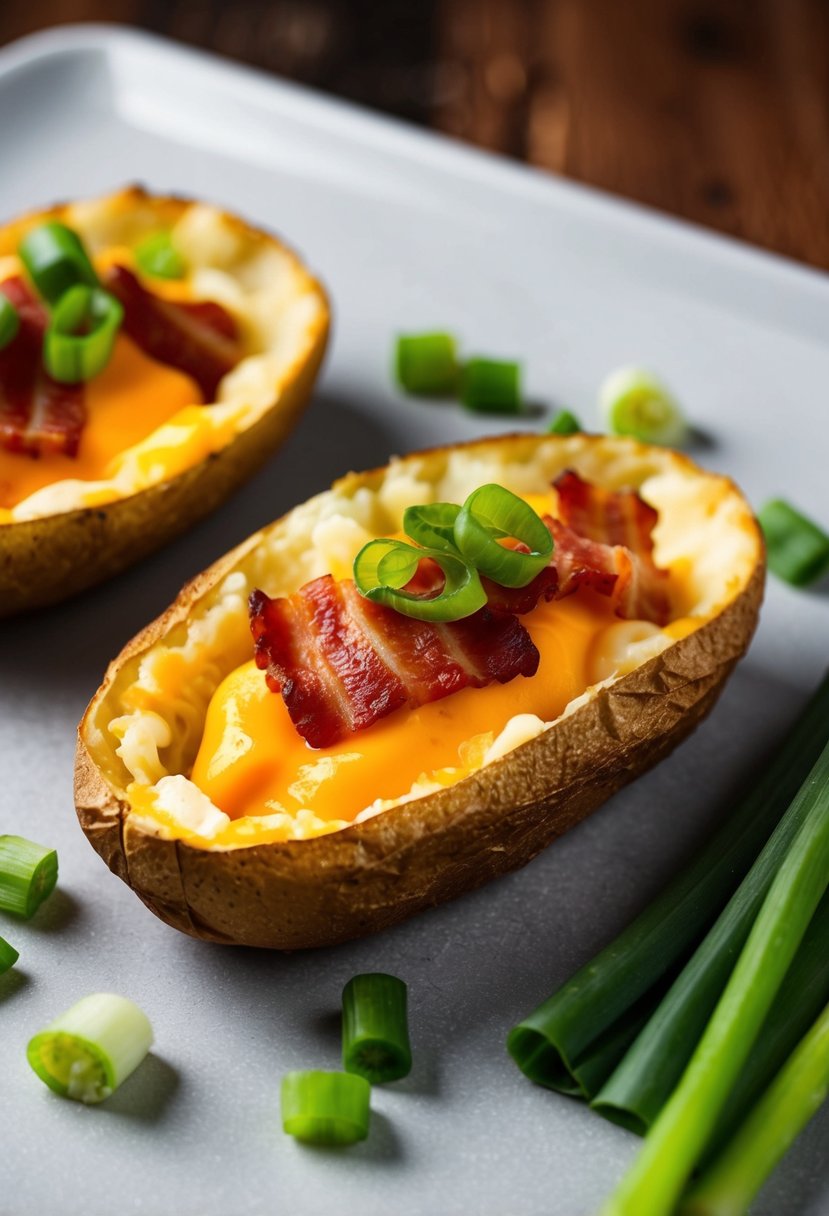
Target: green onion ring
column 432, row 525
column 491, row 513
column 326, row 1107
column 81, row 335
column 158, row 257
column 9, row 321
column 383, row 567
column 55, row 260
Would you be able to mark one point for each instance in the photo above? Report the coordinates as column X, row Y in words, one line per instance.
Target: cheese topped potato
column 207, row 375
column 196, row 780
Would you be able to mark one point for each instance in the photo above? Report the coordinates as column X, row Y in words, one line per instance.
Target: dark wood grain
column 718, row 112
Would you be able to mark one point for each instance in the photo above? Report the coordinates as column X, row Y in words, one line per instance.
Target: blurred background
column 715, row 111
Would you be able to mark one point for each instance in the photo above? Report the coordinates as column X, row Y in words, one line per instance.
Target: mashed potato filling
column 201, row 751
column 147, row 422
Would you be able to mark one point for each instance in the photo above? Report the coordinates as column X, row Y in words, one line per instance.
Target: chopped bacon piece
column 342, row 662
column 37, row 414
column 198, row 337
column 604, row 539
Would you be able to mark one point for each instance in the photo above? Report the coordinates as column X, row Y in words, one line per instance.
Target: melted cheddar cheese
column 252, row 762
column 132, row 397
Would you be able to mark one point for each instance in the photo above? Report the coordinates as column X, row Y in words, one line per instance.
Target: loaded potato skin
column 425, row 848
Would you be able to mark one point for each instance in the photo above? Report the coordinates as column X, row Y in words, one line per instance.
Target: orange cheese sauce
column 253, row 762
column 129, row 399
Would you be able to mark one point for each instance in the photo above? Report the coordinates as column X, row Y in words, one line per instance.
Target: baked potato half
column 308, row 878
column 154, row 455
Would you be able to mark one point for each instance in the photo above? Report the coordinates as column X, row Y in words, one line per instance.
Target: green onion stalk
column 576, row 1038
column 680, row 1134
column 729, row 1185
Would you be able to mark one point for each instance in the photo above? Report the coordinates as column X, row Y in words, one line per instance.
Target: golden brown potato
column 310, row 889
column 75, row 532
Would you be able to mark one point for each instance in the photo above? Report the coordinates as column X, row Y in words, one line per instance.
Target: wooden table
column 716, row 111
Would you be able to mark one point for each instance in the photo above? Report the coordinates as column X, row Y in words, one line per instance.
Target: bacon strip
column 198, row 337
column 37, row 414
column 342, row 662
column 604, row 539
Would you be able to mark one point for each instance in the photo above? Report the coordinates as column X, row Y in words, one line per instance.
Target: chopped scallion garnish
column 326, row 1107
column 55, row 260
column 798, row 548
column 8, row 955
column 635, row 403
column 491, row 386
column 375, row 1028
column 157, row 256
column 729, row 1185
column 492, row 514
column 678, row 1137
column 81, row 336
column 28, row 873
column 382, row 569
column 9, row 321
column 426, row 364
column 564, row 423
column 91, row 1049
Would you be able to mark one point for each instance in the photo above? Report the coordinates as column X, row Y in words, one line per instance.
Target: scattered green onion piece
column 158, row 257
column 432, row 525
column 564, row 423
column 491, row 386
column 9, row 321
column 426, row 364
column 375, row 1029
column 798, row 549
column 728, row 1186
column 635, row 403
column 383, row 567
column 55, row 260
column 91, row 1049
column 326, row 1107
column 492, row 513
column 653, row 1185
column 81, row 336
column 28, row 873
column 583, row 1029
column 8, row 956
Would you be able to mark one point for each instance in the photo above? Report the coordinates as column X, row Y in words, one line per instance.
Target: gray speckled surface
column 407, row 232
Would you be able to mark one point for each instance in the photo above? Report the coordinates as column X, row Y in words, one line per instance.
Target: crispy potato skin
column 49, row 559
column 367, row 877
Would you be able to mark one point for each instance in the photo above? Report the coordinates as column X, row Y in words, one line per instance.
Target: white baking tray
column 408, row 231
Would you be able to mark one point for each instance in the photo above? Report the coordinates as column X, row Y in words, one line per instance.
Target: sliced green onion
column 491, row 386
column 564, row 423
column 28, row 873
column 158, row 257
column 491, row 514
column 375, row 1028
column 55, row 260
column 798, row 549
column 432, row 525
column 426, row 364
column 81, row 336
column 383, row 567
column 574, row 1039
column 326, row 1107
column 8, row 955
column 91, row 1049
column 728, row 1186
column 635, row 403
column 674, row 1144
column 9, row 321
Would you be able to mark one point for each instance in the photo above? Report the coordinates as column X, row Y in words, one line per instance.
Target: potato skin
column 49, row 559
column 369, row 876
